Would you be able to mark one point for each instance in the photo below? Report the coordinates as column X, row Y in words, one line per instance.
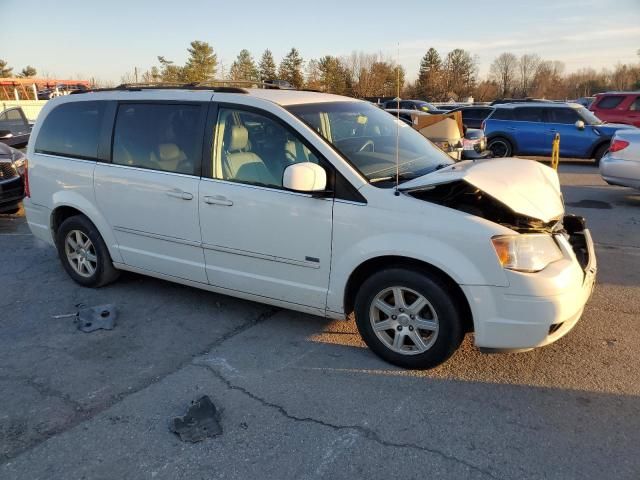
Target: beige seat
column 242, row 165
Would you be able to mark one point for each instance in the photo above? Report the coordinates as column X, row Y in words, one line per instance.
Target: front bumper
column 11, row 193
column 507, row 320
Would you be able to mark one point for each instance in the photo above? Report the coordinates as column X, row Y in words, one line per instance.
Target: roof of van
column 282, row 97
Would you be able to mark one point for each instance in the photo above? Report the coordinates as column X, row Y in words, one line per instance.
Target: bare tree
column 527, row 66
column 504, row 70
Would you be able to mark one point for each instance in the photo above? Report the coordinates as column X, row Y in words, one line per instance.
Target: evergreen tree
column 291, row 68
column 244, row 68
column 334, row 77
column 429, row 84
column 27, row 72
column 202, row 63
column 267, row 68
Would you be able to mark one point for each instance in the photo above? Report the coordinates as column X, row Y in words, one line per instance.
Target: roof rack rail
column 223, row 86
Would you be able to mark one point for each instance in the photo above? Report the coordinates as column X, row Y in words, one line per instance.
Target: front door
column 149, row 191
column 574, row 142
column 259, row 238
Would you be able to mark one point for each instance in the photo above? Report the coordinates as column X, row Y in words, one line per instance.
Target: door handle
column 218, row 200
column 180, row 194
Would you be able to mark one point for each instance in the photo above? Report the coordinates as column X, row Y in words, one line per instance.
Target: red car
column 617, row 107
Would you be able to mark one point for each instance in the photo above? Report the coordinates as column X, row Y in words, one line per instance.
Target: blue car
column 529, row 129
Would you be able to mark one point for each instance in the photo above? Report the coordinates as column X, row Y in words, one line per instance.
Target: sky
column 106, row 39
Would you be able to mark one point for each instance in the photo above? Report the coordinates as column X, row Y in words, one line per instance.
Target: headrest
column 239, row 138
column 168, row 152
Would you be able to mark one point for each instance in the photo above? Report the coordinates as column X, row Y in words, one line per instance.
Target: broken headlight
column 526, row 252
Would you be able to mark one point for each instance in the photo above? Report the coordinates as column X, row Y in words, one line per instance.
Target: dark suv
column 529, row 129
column 12, row 166
column 618, row 107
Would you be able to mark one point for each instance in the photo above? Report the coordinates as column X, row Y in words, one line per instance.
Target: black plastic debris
column 201, row 421
column 96, row 318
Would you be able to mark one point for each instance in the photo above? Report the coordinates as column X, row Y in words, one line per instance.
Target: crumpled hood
column 525, row 186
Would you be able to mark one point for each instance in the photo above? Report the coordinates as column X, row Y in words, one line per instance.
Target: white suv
column 290, row 198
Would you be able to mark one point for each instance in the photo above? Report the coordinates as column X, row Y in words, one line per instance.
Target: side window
column 529, row 114
column 563, row 115
column 635, row 105
column 162, row 137
column 609, row 102
column 72, row 130
column 255, row 149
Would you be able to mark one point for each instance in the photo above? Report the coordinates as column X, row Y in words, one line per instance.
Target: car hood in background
column 525, row 186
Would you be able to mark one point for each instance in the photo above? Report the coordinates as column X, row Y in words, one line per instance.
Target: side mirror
column 5, row 134
column 580, row 125
column 305, row 177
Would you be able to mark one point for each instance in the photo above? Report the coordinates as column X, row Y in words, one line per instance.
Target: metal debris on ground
column 96, row 318
column 201, row 421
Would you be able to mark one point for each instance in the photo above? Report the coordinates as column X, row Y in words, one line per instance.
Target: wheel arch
column 376, row 264
column 78, row 205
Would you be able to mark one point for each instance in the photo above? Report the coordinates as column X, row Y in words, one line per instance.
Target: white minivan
column 314, row 202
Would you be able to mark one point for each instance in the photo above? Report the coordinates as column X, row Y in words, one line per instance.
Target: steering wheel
column 368, row 143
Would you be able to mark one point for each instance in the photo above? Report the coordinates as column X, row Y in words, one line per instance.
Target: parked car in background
column 529, row 129
column 472, row 115
column 471, row 143
column 255, row 193
column 621, row 164
column 12, row 167
column 419, row 105
column 500, row 101
column 618, row 107
column 15, row 128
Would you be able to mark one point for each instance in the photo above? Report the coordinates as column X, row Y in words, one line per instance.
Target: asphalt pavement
column 300, row 396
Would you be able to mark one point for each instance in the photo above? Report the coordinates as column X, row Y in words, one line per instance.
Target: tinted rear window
column 72, row 130
column 158, row 137
column 529, row 114
column 610, row 102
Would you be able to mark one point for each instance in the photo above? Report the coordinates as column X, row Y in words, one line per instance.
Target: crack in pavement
column 367, row 433
column 86, row 414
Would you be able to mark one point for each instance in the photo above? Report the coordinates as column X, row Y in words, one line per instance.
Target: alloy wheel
column 404, row 320
column 81, row 253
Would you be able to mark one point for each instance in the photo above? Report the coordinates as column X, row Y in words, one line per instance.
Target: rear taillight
column 618, row 145
column 27, row 191
column 483, row 124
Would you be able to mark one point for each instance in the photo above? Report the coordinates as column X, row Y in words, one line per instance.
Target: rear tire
column 500, row 147
column 83, row 253
column 600, row 152
column 408, row 318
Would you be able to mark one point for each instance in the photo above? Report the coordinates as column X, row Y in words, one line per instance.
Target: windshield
column 366, row 137
column 588, row 116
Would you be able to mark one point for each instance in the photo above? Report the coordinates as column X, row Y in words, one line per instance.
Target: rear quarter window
column 72, row 130
column 611, row 101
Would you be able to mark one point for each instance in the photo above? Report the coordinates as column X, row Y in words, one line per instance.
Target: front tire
column 83, row 253
column 600, row 152
column 408, row 318
column 500, row 147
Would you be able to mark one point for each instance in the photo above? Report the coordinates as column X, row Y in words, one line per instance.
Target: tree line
column 7, row 72
column 441, row 76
